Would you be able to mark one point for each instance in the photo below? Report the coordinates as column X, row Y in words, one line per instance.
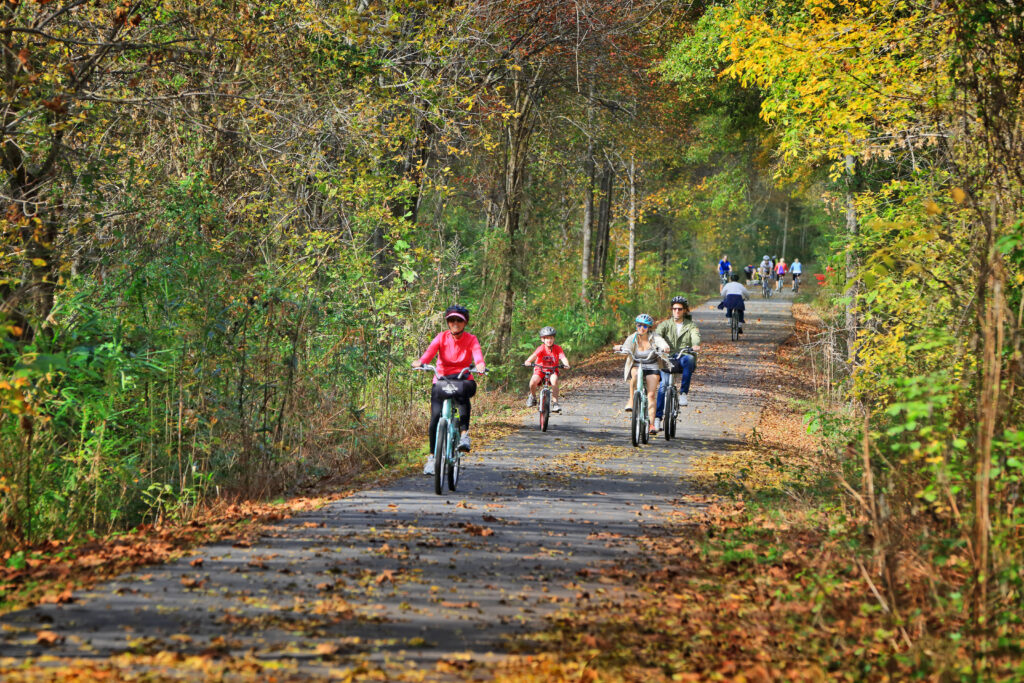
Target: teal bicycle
column 640, row 420
column 447, row 456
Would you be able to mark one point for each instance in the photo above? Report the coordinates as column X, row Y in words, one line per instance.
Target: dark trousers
column 687, row 364
column 460, row 391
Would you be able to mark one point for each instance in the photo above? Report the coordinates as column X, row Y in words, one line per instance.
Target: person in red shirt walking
column 548, row 356
column 456, row 350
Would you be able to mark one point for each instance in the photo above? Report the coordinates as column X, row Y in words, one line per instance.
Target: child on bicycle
column 455, row 349
column 733, row 296
column 548, row 356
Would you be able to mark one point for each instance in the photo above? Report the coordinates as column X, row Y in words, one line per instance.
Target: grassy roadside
column 765, row 582
column 52, row 572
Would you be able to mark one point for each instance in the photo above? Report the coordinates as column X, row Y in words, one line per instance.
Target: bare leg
column 652, row 382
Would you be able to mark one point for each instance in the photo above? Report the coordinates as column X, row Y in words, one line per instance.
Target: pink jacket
column 454, row 354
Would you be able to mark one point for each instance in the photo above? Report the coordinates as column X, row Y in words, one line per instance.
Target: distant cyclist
column 749, row 272
column 455, row 349
column 548, row 356
column 780, row 274
column 724, row 268
column 733, row 296
column 796, row 269
column 764, row 270
column 679, row 332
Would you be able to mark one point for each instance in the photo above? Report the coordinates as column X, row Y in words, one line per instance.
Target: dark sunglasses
column 642, row 325
column 678, row 308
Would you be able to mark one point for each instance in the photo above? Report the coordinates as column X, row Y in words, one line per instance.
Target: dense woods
column 228, row 226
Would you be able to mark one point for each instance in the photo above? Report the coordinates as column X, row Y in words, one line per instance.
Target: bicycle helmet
column 547, row 331
column 765, row 257
column 680, row 300
column 458, row 312
column 644, row 319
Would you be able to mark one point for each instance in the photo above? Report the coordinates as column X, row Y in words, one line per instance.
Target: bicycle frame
column 447, row 457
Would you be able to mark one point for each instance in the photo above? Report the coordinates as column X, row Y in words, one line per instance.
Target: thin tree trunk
column 588, row 200
column 517, row 137
column 632, row 220
column 851, row 265
column 785, row 231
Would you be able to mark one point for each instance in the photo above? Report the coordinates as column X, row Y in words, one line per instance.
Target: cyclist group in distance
column 654, row 355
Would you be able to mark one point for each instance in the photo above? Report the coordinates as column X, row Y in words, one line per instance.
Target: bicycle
column 796, row 283
column 544, row 397
column 734, row 324
column 447, row 456
column 766, row 287
column 670, row 409
column 640, row 421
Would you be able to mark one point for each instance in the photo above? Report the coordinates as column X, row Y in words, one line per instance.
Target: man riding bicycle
column 765, row 268
column 679, row 332
column 456, row 350
column 724, row 268
column 733, row 297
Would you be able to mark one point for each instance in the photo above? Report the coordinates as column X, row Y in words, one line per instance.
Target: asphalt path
column 399, row 573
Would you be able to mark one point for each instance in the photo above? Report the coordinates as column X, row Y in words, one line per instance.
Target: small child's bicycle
column 544, row 396
column 447, row 456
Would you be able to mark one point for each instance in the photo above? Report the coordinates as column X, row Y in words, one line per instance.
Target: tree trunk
column 588, row 201
column 602, row 232
column 517, row 133
column 851, row 264
column 632, row 221
column 785, row 231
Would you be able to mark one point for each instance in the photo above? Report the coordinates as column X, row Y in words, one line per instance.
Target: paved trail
column 401, row 573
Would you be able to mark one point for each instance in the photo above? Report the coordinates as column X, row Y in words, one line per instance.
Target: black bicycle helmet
column 547, row 331
column 680, row 300
column 458, row 312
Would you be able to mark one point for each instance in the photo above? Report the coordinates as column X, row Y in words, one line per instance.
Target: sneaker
column 629, row 407
column 531, row 401
column 555, row 408
column 657, row 424
column 682, row 400
column 464, row 443
column 428, row 469
column 740, row 330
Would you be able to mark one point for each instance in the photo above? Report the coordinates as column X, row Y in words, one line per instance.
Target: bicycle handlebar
column 561, row 366
column 433, row 368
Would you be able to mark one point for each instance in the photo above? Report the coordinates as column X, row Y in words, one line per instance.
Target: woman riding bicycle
column 456, row 350
column 648, row 348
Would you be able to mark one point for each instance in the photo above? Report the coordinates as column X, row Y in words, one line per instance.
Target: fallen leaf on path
column 48, row 638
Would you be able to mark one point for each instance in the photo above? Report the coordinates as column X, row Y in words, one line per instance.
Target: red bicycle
column 544, row 398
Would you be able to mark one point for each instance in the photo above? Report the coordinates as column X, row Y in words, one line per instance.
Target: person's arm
column 565, row 360
column 623, row 346
column 695, row 338
column 746, row 293
column 532, row 358
column 478, row 356
column 431, row 351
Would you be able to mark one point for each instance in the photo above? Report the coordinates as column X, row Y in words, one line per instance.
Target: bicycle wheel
column 545, row 409
column 669, row 410
column 735, row 326
column 636, row 422
column 454, row 468
column 645, row 424
column 675, row 414
column 440, row 453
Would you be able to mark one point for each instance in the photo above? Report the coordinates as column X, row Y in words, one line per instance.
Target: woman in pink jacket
column 455, row 349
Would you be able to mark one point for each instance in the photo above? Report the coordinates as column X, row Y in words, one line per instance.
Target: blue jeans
column 688, row 363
